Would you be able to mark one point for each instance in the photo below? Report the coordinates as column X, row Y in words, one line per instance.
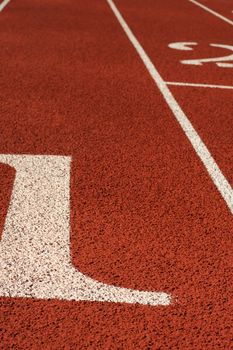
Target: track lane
column 200, row 148
column 136, row 220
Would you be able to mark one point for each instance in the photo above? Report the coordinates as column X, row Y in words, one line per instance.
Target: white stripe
column 212, row 12
column 200, row 85
column 202, row 151
column 3, row 4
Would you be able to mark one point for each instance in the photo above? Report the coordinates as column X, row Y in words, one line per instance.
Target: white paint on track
column 184, row 46
column 222, row 61
column 35, row 259
column 176, row 83
column 3, row 4
column 225, row 19
column 202, row 151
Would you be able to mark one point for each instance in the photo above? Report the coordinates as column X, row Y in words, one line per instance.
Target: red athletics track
column 222, row 7
column 144, row 212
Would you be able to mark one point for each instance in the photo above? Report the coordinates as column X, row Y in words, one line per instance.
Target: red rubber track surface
column 144, row 212
column 223, row 7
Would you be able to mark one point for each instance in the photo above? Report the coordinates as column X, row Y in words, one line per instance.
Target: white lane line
column 176, row 83
column 202, row 151
column 227, row 20
column 3, row 4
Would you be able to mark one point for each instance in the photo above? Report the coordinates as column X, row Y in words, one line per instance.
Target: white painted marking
column 225, row 65
column 202, row 151
column 35, row 257
column 225, row 19
column 199, row 85
column 3, row 4
column 217, row 60
column 184, row 46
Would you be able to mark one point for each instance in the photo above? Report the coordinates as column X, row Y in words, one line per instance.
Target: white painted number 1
column 35, row 257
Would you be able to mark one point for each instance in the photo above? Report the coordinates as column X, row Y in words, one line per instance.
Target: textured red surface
column 144, row 212
column 223, row 7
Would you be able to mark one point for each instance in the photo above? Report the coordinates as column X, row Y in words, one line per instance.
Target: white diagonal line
column 202, row 151
column 3, row 4
column 176, row 83
column 225, row 19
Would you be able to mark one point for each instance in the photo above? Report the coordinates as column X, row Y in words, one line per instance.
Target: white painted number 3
column 35, row 257
column 221, row 61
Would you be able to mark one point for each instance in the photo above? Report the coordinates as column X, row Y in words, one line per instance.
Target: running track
column 150, row 140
